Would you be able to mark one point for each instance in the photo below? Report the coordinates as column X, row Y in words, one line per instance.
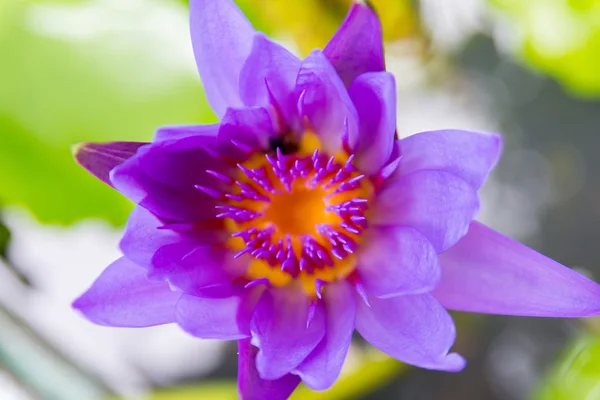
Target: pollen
column 296, row 216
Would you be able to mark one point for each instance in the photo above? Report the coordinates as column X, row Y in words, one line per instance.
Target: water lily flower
column 300, row 216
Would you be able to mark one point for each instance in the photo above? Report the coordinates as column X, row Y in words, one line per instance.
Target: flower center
column 297, row 213
column 298, row 216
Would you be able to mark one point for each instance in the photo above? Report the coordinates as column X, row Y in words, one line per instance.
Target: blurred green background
column 101, row 70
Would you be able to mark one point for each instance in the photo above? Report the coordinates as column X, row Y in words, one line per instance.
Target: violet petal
column 374, row 95
column 191, row 267
column 100, row 158
column 397, row 260
column 162, row 176
column 222, row 40
column 414, row 329
column 145, row 234
column 184, row 131
column 324, row 100
column 251, row 386
column 438, row 204
column 468, row 155
column 357, row 46
column 487, row 272
column 123, row 296
column 279, row 330
column 253, row 127
column 223, row 318
column 323, row 366
column 269, row 74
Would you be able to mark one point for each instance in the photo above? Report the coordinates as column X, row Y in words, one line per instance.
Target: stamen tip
column 256, row 282
column 211, row 192
column 319, row 284
column 360, row 289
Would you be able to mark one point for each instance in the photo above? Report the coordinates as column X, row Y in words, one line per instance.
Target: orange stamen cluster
column 299, row 216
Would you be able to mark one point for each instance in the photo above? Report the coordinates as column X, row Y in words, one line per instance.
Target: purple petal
column 468, row 155
column 322, row 367
column 223, row 318
column 123, row 296
column 222, row 40
column 191, row 267
column 251, row 386
column 357, row 46
column 397, row 260
column 374, row 95
column 184, row 131
column 324, row 100
column 145, row 234
column 268, row 79
column 142, row 238
column 182, row 163
column 438, row 204
column 414, row 329
column 487, row 272
column 162, row 178
column 279, row 330
column 252, row 127
column 100, row 158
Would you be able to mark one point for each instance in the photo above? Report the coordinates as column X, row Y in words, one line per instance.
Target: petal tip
column 76, row 148
column 100, row 158
column 80, row 150
column 455, row 362
column 361, row 25
column 79, row 304
column 496, row 146
column 85, row 307
column 499, row 142
column 366, row 3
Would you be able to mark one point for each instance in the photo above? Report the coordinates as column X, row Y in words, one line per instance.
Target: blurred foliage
column 35, row 363
column 560, row 38
column 215, row 390
column 373, row 372
column 75, row 71
column 577, row 373
column 312, row 22
column 4, row 239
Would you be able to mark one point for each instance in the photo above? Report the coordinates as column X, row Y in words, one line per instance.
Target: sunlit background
column 101, row 70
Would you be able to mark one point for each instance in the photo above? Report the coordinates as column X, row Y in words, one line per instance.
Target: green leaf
column 88, row 71
column 43, row 178
column 4, row 239
column 576, row 374
column 224, row 390
column 558, row 37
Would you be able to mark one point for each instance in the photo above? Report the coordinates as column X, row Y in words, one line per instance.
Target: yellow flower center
column 298, row 217
column 297, row 213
